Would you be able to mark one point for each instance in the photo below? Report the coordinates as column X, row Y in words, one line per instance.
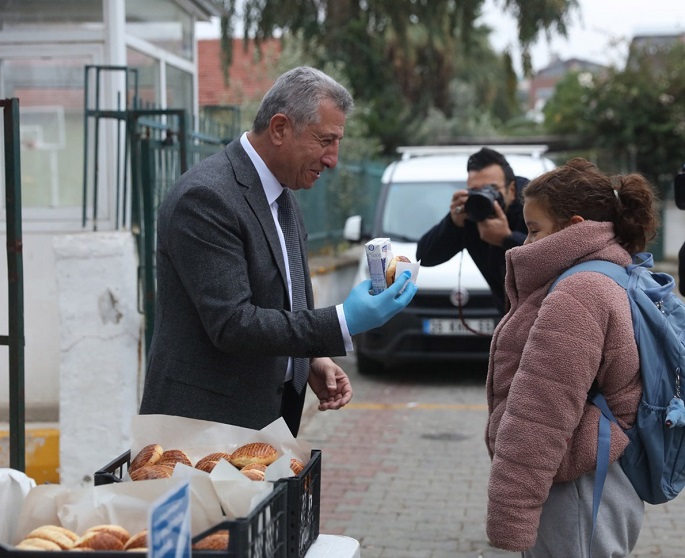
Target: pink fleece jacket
column 546, row 353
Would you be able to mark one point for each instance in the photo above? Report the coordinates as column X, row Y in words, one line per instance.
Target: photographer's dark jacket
column 445, row 240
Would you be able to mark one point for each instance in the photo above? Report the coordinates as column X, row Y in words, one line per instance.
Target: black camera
column 479, row 205
column 679, row 188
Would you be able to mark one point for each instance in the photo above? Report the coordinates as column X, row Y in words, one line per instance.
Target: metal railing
column 15, row 284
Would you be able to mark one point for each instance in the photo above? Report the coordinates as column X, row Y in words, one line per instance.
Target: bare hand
column 330, row 384
column 494, row 230
column 457, row 207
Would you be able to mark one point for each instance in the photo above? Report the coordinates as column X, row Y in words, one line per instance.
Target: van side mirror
column 353, row 228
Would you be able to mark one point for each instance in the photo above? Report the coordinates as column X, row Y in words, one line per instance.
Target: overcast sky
column 599, row 31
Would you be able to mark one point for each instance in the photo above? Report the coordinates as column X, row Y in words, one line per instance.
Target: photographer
column 486, row 234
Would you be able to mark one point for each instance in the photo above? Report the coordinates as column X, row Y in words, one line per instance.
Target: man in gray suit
column 227, row 342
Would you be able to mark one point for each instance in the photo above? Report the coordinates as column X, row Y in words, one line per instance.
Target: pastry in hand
column 391, row 268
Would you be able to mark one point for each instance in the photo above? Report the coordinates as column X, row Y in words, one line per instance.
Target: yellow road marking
column 414, row 405
column 42, row 453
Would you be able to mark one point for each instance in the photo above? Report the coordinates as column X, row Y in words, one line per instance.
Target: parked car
column 453, row 314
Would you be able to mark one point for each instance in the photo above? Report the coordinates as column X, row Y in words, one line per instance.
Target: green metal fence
column 352, row 188
column 15, row 284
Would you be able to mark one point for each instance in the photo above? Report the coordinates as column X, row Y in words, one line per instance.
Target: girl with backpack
column 547, row 353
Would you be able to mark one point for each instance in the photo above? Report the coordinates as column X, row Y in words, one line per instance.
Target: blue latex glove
column 364, row 311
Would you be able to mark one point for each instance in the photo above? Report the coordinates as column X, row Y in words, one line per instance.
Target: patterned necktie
column 286, row 218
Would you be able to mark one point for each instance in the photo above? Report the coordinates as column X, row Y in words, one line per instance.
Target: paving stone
column 405, row 471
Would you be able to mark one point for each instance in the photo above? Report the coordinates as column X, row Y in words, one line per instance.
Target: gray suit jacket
column 223, row 329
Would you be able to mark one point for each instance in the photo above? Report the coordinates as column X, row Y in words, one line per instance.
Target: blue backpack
column 654, row 460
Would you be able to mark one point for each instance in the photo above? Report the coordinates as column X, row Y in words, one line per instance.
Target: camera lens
column 478, row 205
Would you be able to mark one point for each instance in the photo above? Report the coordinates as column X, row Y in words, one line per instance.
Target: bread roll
column 34, row 543
column 173, row 456
column 296, row 466
column 215, row 541
column 254, row 471
column 254, row 466
column 137, row 541
column 391, row 268
column 98, row 540
column 115, row 530
column 149, row 455
column 206, row 466
column 253, row 474
column 208, row 462
column 256, row 452
column 151, row 472
column 59, row 535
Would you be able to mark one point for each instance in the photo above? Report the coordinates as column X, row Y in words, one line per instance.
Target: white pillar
column 100, row 348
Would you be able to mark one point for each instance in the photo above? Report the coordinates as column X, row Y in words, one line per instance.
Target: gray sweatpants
column 566, row 521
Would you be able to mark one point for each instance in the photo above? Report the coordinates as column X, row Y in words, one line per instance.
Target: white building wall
column 41, row 324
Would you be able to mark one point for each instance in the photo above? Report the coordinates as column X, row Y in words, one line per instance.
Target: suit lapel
column 246, row 175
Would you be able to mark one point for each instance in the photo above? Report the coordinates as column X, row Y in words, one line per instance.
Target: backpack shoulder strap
column 621, row 275
column 614, row 271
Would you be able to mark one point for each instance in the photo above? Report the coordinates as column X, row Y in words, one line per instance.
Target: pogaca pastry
column 151, row 472
column 149, row 455
column 254, row 471
column 214, row 541
column 391, row 268
column 105, row 537
column 208, row 462
column 296, row 466
column 256, row 452
column 173, row 456
column 137, row 541
column 52, row 534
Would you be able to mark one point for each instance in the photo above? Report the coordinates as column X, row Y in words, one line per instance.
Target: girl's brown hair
column 580, row 188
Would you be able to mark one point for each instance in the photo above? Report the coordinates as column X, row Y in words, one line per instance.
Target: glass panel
column 162, row 23
column 148, row 78
column 32, row 14
column 413, row 208
column 50, row 92
column 179, row 89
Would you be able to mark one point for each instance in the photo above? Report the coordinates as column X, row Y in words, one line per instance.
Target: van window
column 414, row 207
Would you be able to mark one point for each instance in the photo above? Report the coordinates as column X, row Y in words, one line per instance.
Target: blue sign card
column 169, row 524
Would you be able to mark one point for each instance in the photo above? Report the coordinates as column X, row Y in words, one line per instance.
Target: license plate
column 456, row 327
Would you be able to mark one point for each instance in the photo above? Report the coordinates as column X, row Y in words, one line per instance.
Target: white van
column 453, row 299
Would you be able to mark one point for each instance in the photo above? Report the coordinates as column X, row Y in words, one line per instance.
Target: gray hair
column 298, row 93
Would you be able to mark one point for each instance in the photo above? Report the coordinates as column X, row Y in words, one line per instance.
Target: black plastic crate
column 114, row 471
column 304, row 501
column 262, row 534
